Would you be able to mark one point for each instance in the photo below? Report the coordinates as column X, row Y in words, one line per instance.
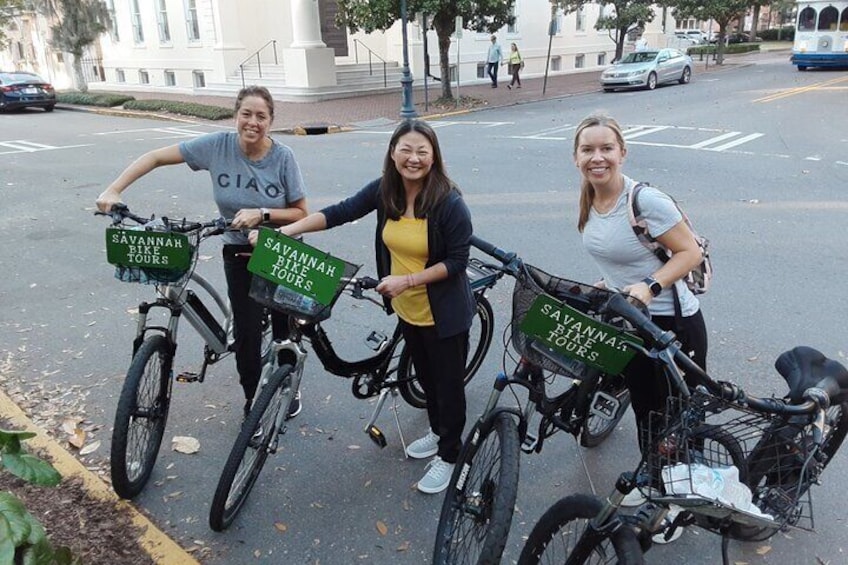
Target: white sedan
column 648, row 69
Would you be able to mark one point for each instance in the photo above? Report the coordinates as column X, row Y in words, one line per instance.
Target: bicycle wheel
column 774, row 466
column 556, row 535
column 141, row 416
column 251, row 449
column 603, row 414
column 477, row 510
column 479, row 340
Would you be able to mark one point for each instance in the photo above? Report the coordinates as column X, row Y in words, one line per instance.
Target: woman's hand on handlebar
column 107, row 199
column 640, row 292
column 393, row 285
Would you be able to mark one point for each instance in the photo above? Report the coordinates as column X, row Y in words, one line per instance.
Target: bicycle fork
column 296, row 350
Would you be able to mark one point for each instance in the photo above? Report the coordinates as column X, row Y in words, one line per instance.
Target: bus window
column 807, row 19
column 828, row 18
column 843, row 23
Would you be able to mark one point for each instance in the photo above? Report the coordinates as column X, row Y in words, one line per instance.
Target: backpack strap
column 640, row 226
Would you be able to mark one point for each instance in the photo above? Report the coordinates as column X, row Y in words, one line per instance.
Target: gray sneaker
column 438, row 476
column 424, row 447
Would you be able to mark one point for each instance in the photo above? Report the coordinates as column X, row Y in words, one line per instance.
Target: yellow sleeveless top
column 406, row 239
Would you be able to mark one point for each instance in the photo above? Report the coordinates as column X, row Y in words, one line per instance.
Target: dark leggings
column 247, row 318
column 440, row 368
column 649, row 388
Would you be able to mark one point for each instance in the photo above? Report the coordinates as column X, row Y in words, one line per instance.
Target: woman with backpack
column 626, row 264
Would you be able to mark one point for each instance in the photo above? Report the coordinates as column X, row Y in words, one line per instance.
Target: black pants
column 440, row 368
column 492, row 71
column 649, row 388
column 514, row 70
column 247, row 318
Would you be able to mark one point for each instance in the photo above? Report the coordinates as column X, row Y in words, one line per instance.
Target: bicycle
column 477, row 511
column 778, row 447
column 388, row 371
column 162, row 252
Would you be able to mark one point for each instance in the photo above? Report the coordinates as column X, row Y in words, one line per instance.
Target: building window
column 143, row 77
column 580, row 18
column 138, row 28
column 481, row 70
column 192, row 24
column 199, row 79
column 170, row 78
column 113, row 22
column 556, row 63
column 579, row 61
column 162, row 17
column 513, row 27
column 602, row 59
column 120, row 76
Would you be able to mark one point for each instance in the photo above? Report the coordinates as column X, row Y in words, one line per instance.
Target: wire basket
column 155, row 275
column 292, row 303
column 743, row 473
column 585, row 298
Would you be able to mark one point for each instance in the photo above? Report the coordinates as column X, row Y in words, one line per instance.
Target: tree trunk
column 444, row 29
column 755, row 20
column 79, row 78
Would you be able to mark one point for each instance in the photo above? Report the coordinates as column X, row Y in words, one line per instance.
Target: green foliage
column 22, row 537
column 7, row 9
column 183, row 108
column 618, row 17
column 786, row 34
column 82, row 22
column 733, row 48
column 105, row 100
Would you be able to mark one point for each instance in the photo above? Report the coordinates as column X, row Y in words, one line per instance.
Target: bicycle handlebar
column 120, row 212
column 511, row 261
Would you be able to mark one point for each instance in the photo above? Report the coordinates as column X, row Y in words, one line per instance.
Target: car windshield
column 640, row 57
column 18, row 77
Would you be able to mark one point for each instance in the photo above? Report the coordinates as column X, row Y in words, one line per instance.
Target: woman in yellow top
column 422, row 242
column 515, row 64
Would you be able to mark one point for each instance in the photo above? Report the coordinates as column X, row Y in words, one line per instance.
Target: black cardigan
column 448, row 236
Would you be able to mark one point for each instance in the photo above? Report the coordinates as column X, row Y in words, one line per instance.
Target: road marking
column 23, row 146
column 799, row 90
column 715, row 139
column 735, row 142
column 639, row 131
column 172, row 131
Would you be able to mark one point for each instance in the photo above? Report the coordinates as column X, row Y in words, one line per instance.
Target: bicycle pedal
column 530, row 442
column 376, row 340
column 604, row 406
column 188, row 377
column 376, row 436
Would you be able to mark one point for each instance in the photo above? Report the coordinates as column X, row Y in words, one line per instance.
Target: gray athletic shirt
column 622, row 258
column 237, row 182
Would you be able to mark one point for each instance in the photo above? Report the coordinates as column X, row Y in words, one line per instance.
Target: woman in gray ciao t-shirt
column 255, row 181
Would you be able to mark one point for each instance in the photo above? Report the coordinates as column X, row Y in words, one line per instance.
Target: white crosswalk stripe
column 23, row 146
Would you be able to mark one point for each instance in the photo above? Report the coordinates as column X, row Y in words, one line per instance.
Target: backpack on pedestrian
column 698, row 279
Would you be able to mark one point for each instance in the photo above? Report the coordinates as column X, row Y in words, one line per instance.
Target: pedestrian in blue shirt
column 493, row 61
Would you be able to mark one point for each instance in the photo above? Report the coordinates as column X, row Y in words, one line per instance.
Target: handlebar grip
column 618, row 304
column 830, row 386
column 368, row 283
column 490, row 249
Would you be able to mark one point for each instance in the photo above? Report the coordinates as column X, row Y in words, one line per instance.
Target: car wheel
column 608, row 89
column 802, row 68
column 652, row 81
column 48, row 108
column 686, row 76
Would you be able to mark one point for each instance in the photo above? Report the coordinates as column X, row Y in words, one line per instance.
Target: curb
column 161, row 548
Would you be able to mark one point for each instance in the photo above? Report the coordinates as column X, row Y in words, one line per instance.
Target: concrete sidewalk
column 361, row 111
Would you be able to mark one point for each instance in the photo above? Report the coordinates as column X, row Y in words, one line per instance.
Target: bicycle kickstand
column 371, row 428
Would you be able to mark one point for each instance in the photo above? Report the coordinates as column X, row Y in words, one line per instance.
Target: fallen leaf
column 382, row 528
column 69, row 426
column 404, row 546
column 90, row 448
column 280, row 526
column 353, row 447
column 763, row 549
column 77, row 439
column 185, row 444
column 257, row 553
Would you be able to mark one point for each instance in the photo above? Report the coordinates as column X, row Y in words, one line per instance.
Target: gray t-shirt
column 237, row 182
column 622, row 258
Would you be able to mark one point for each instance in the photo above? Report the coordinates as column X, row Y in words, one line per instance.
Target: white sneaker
column 424, row 447
column 637, row 497
column 673, row 511
column 438, row 476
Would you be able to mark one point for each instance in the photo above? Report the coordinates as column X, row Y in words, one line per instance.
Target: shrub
column 787, row 33
column 701, row 50
column 183, row 108
column 106, row 100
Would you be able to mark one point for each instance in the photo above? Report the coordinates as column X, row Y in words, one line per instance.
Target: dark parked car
column 19, row 89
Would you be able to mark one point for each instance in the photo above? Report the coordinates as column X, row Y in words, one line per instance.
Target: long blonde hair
column 587, row 191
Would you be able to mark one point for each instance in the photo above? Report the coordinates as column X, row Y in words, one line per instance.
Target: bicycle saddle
column 805, row 367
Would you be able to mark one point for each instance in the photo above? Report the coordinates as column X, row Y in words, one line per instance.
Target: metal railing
column 92, row 69
column 257, row 55
column 371, row 54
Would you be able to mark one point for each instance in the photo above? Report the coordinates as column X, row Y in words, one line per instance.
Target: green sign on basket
column 577, row 336
column 296, row 266
column 147, row 249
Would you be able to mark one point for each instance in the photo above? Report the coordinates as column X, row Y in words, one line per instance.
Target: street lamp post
column 407, row 110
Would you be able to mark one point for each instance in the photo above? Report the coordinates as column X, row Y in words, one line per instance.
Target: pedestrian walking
column 494, row 57
column 516, row 63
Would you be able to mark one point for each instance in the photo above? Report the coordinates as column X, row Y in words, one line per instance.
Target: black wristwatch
column 653, row 285
column 266, row 214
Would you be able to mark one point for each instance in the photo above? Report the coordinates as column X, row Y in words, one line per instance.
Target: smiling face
column 599, row 154
column 413, row 157
column 253, row 120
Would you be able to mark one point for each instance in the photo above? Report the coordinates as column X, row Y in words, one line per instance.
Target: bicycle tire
column 140, row 416
column 548, row 540
column 479, row 340
column 250, row 450
column 769, row 468
column 481, row 495
column 595, row 428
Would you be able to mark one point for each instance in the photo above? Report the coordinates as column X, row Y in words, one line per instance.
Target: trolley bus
column 821, row 34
